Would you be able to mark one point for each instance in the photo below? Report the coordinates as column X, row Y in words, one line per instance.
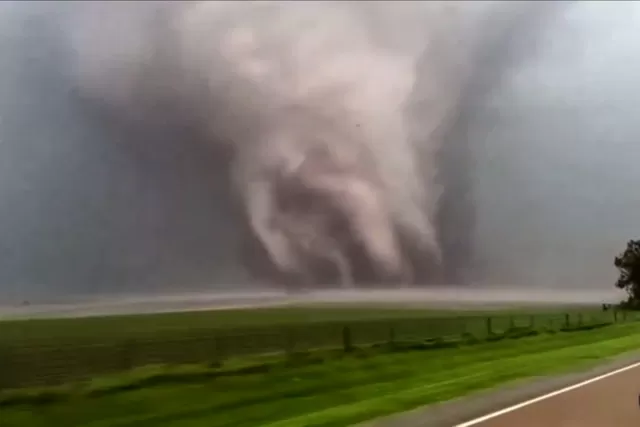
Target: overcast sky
column 558, row 150
column 555, row 144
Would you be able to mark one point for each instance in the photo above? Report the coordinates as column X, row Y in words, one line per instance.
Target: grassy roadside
column 338, row 392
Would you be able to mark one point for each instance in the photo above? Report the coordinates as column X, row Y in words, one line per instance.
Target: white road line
column 545, row 397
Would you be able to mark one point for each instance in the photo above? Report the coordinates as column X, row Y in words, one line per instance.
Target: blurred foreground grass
column 336, row 391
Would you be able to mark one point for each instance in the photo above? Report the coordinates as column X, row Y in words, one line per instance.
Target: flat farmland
column 40, row 352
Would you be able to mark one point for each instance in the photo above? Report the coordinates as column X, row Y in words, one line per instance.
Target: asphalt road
column 610, row 400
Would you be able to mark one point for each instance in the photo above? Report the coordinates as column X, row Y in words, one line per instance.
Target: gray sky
column 554, row 143
column 557, row 149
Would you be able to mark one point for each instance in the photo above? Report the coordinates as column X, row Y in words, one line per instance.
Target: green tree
column 628, row 263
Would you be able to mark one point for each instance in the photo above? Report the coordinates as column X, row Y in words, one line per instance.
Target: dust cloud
column 167, row 146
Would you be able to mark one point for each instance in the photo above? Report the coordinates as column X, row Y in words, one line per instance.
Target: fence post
column 567, row 320
column 532, row 321
column 212, row 355
column 512, row 322
column 290, row 343
column 489, row 326
column 347, row 344
column 221, row 349
column 392, row 334
column 579, row 319
column 4, row 370
column 464, row 326
column 127, row 355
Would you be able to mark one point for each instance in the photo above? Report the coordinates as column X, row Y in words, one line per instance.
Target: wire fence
column 28, row 363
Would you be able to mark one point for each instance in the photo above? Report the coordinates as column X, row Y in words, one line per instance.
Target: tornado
column 331, row 117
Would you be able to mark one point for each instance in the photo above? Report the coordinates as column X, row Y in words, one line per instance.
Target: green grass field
column 53, row 351
column 341, row 391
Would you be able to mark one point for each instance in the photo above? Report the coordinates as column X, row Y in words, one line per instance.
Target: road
column 611, row 399
column 605, row 395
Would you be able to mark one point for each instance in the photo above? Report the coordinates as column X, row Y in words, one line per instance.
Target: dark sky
column 90, row 205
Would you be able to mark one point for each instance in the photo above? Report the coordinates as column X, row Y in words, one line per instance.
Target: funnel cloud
column 161, row 145
column 311, row 101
